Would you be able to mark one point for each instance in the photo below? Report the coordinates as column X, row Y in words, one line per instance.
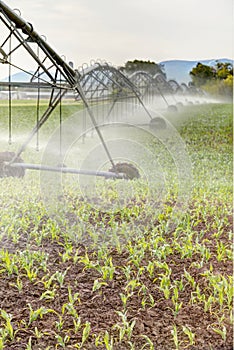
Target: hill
column 174, row 69
column 18, row 77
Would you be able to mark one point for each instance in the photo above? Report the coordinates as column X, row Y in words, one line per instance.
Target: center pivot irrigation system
column 99, row 82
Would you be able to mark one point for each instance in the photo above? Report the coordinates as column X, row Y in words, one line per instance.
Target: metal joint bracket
column 4, row 59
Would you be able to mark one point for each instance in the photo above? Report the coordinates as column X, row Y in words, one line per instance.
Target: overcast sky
column 121, row 30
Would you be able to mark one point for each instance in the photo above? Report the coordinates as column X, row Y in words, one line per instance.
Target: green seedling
column 108, row 341
column 59, row 324
column 1, row 343
column 107, row 272
column 132, row 285
column 189, row 333
column 149, row 343
column 125, row 328
column 48, row 295
column 8, row 262
column 189, row 278
column 165, row 285
column 85, row 333
column 175, row 337
column 8, row 328
column 62, row 341
column 34, row 314
column 124, row 299
column 67, row 255
column 76, row 322
column 73, row 297
column 59, row 277
column 222, row 332
column 37, row 333
column 87, row 263
column 29, row 344
column 97, row 284
column 18, row 284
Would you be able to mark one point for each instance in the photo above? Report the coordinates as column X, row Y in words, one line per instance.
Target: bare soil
column 99, row 307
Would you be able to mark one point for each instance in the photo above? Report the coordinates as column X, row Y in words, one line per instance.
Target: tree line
column 216, row 80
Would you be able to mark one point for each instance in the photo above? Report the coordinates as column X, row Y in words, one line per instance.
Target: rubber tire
column 158, row 123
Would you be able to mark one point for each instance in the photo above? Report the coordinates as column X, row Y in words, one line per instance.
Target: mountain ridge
column 177, row 69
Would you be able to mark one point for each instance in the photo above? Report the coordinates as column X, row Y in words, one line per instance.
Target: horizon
column 4, row 78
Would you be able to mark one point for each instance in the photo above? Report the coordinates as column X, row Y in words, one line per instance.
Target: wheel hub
column 128, row 170
column 5, row 169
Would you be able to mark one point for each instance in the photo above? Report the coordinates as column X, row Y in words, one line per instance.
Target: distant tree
column 217, row 80
column 140, row 65
column 201, row 74
column 223, row 70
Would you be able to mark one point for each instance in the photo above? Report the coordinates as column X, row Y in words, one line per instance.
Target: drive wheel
column 129, row 171
column 7, row 170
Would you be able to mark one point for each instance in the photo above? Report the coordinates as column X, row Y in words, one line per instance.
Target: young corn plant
column 165, row 285
column 70, row 307
column 8, row 328
column 29, row 344
column 68, row 254
column 77, row 323
column 85, row 333
column 59, row 277
column 132, row 285
column 175, row 337
column 28, row 259
column 222, row 332
column 190, row 334
column 127, row 272
column 208, row 303
column 72, row 298
column 34, row 314
column 47, row 281
column 204, row 252
column 88, row 264
column 189, row 278
column 37, row 333
column 148, row 300
column 8, row 262
column 125, row 328
column 179, row 284
column 107, row 271
column 62, row 341
column 59, row 324
column 108, row 341
column 222, row 251
column 150, row 268
column 48, row 295
column 18, row 284
column 31, row 273
column 177, row 305
column 97, row 284
column 149, row 344
column 2, row 341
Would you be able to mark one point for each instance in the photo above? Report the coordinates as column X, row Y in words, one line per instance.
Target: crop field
column 162, row 287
